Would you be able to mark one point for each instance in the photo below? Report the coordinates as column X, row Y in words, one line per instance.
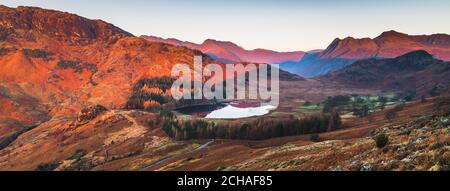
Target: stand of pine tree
column 253, row 129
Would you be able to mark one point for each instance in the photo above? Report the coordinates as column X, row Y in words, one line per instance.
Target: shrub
column 392, row 113
column 361, row 112
column 64, row 64
column 381, row 140
column 383, row 100
column 332, row 102
column 170, row 127
column 314, row 137
column 307, row 103
column 78, row 155
column 78, row 66
column 90, row 113
column 410, row 96
column 406, row 95
column 38, row 53
column 166, row 113
column 4, row 51
column 423, row 99
column 47, row 166
column 334, row 121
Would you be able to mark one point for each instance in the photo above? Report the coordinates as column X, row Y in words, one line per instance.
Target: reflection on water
column 227, row 111
column 232, row 112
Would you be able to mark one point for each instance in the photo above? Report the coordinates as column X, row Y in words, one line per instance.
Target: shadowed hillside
column 416, row 71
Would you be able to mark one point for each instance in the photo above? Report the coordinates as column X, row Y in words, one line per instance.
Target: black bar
column 279, row 180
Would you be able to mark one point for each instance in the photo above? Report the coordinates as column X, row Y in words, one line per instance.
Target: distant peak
column 224, row 44
column 336, row 40
column 210, row 40
column 348, row 38
column 151, row 37
column 217, row 41
column 392, row 33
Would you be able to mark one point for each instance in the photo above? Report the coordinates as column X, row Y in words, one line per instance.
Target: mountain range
column 340, row 53
column 230, row 52
column 390, row 44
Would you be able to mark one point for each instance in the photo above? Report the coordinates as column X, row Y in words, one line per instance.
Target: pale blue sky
column 273, row 24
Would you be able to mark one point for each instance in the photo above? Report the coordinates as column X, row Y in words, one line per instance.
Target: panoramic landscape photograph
column 200, row 85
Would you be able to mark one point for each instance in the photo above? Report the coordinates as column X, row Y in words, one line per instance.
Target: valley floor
column 130, row 140
column 417, row 141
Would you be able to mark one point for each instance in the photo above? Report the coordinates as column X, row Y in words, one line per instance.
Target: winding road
column 161, row 161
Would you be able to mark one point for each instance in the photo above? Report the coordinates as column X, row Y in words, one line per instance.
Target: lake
column 227, row 111
column 233, row 112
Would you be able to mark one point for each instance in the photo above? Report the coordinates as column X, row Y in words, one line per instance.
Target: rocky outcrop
column 90, row 113
column 389, row 44
column 60, row 25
